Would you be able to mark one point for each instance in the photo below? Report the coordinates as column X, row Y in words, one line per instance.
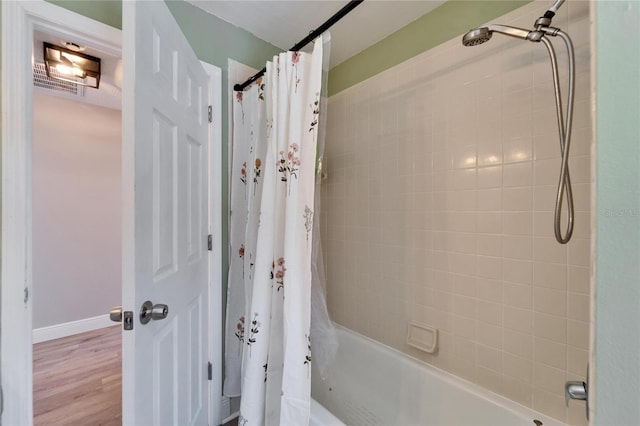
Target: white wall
column 617, row 307
column 76, row 210
column 438, row 208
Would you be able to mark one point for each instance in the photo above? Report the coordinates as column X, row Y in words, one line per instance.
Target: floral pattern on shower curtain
column 267, row 355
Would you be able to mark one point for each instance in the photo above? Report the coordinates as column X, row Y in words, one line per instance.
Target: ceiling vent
column 41, row 80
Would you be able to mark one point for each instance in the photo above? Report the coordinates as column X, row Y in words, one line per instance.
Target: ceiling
column 284, row 23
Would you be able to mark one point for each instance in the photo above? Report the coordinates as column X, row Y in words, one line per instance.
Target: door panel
column 164, row 109
column 165, row 196
column 165, row 398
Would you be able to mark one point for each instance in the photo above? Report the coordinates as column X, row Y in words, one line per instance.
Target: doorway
column 19, row 22
column 19, row 19
column 77, row 240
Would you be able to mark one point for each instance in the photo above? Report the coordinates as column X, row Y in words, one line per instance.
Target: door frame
column 19, row 20
column 215, row 311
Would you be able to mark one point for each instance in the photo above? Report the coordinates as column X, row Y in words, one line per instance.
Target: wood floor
column 77, row 380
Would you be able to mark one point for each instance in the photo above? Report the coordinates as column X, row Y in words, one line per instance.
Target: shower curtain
column 268, row 339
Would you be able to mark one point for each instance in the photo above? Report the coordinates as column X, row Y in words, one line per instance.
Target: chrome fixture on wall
column 578, row 390
column 542, row 31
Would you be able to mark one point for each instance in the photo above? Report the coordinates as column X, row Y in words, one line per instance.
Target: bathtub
column 320, row 416
column 372, row 384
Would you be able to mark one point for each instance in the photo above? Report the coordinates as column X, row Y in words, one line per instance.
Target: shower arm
column 554, row 8
column 545, row 20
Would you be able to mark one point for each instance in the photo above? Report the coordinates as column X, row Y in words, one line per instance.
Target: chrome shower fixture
column 483, row 34
column 477, row 36
column 540, row 33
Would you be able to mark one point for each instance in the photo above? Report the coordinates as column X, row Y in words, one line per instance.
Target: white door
column 165, row 131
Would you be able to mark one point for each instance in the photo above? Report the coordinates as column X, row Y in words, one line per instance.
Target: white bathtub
column 320, row 416
column 372, row 384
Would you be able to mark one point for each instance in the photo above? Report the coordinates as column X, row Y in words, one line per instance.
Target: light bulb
column 70, row 70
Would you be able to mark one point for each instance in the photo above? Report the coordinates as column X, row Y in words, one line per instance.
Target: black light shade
column 71, row 66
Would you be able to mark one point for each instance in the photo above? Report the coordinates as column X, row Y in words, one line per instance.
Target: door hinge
column 1, row 401
column 26, row 294
column 210, row 371
column 210, row 110
column 210, row 242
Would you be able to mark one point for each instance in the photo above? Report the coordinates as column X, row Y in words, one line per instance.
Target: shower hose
column 564, row 131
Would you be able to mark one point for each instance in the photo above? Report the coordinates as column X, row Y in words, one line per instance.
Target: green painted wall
column 617, row 342
column 450, row 20
column 106, row 11
column 214, row 41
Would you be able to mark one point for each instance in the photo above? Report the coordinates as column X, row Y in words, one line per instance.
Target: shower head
column 480, row 35
column 476, row 36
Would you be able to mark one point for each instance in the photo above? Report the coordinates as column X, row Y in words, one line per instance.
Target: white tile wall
column 438, row 207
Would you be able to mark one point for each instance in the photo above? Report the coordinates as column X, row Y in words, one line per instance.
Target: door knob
column 149, row 312
column 116, row 314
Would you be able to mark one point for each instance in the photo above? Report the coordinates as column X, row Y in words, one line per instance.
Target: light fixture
column 71, row 66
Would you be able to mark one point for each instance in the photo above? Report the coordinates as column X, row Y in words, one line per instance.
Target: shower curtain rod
column 302, row 43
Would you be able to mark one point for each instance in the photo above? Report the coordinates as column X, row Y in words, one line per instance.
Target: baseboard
column 70, row 328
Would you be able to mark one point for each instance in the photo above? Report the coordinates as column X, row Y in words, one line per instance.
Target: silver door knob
column 149, row 312
column 116, row 314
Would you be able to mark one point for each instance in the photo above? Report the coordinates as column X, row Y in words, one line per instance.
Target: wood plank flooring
column 77, row 380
